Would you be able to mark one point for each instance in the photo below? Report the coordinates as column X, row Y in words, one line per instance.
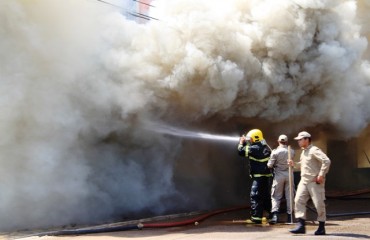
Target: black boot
column 321, row 229
column 289, row 218
column 274, row 218
column 301, row 227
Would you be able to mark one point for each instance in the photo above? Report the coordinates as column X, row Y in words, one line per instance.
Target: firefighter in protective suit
column 255, row 149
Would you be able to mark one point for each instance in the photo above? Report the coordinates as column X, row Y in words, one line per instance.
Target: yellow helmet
column 255, row 135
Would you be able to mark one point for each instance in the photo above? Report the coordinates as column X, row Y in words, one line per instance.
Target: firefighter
column 254, row 147
column 314, row 167
column 280, row 184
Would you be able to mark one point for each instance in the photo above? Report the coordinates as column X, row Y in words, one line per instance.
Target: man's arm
column 272, row 160
column 325, row 164
column 241, row 149
column 242, row 146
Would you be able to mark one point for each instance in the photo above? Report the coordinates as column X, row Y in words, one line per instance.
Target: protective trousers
column 280, row 187
column 260, row 197
column 316, row 192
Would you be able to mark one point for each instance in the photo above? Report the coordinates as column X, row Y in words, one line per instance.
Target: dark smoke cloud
column 79, row 78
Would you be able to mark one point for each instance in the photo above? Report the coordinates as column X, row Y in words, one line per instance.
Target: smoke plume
column 80, row 79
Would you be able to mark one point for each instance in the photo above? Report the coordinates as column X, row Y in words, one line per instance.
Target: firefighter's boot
column 300, row 228
column 274, row 218
column 321, row 229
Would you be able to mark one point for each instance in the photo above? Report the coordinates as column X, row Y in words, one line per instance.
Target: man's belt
column 262, row 175
column 259, row 160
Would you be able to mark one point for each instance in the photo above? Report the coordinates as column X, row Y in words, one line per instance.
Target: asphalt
column 231, row 225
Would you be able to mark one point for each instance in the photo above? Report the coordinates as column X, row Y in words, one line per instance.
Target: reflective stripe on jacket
column 258, row 155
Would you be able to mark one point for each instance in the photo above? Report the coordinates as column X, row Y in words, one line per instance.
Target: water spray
column 174, row 131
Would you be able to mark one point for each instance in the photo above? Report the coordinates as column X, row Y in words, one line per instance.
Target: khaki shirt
column 314, row 162
column 279, row 158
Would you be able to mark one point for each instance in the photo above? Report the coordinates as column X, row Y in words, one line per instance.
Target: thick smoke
column 298, row 61
column 79, row 79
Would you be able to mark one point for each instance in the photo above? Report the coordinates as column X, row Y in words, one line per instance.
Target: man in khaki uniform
column 314, row 166
column 280, row 185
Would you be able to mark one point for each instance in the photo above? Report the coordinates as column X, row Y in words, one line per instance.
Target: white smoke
column 280, row 60
column 78, row 78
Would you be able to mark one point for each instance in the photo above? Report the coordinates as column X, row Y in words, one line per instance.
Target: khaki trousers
column 316, row 192
column 280, row 187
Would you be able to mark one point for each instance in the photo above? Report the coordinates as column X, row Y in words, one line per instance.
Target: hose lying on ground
column 347, row 195
column 89, row 231
column 198, row 219
column 141, row 225
column 191, row 221
column 332, row 215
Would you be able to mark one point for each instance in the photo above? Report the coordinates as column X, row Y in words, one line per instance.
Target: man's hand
column 290, row 162
column 319, row 179
column 242, row 139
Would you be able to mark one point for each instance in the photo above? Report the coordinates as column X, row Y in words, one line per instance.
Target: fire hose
column 347, row 196
column 139, row 226
column 196, row 220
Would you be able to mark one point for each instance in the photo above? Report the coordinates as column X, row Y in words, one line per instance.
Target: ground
column 224, row 226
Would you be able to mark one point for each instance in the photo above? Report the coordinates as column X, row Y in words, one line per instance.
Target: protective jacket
column 258, row 155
